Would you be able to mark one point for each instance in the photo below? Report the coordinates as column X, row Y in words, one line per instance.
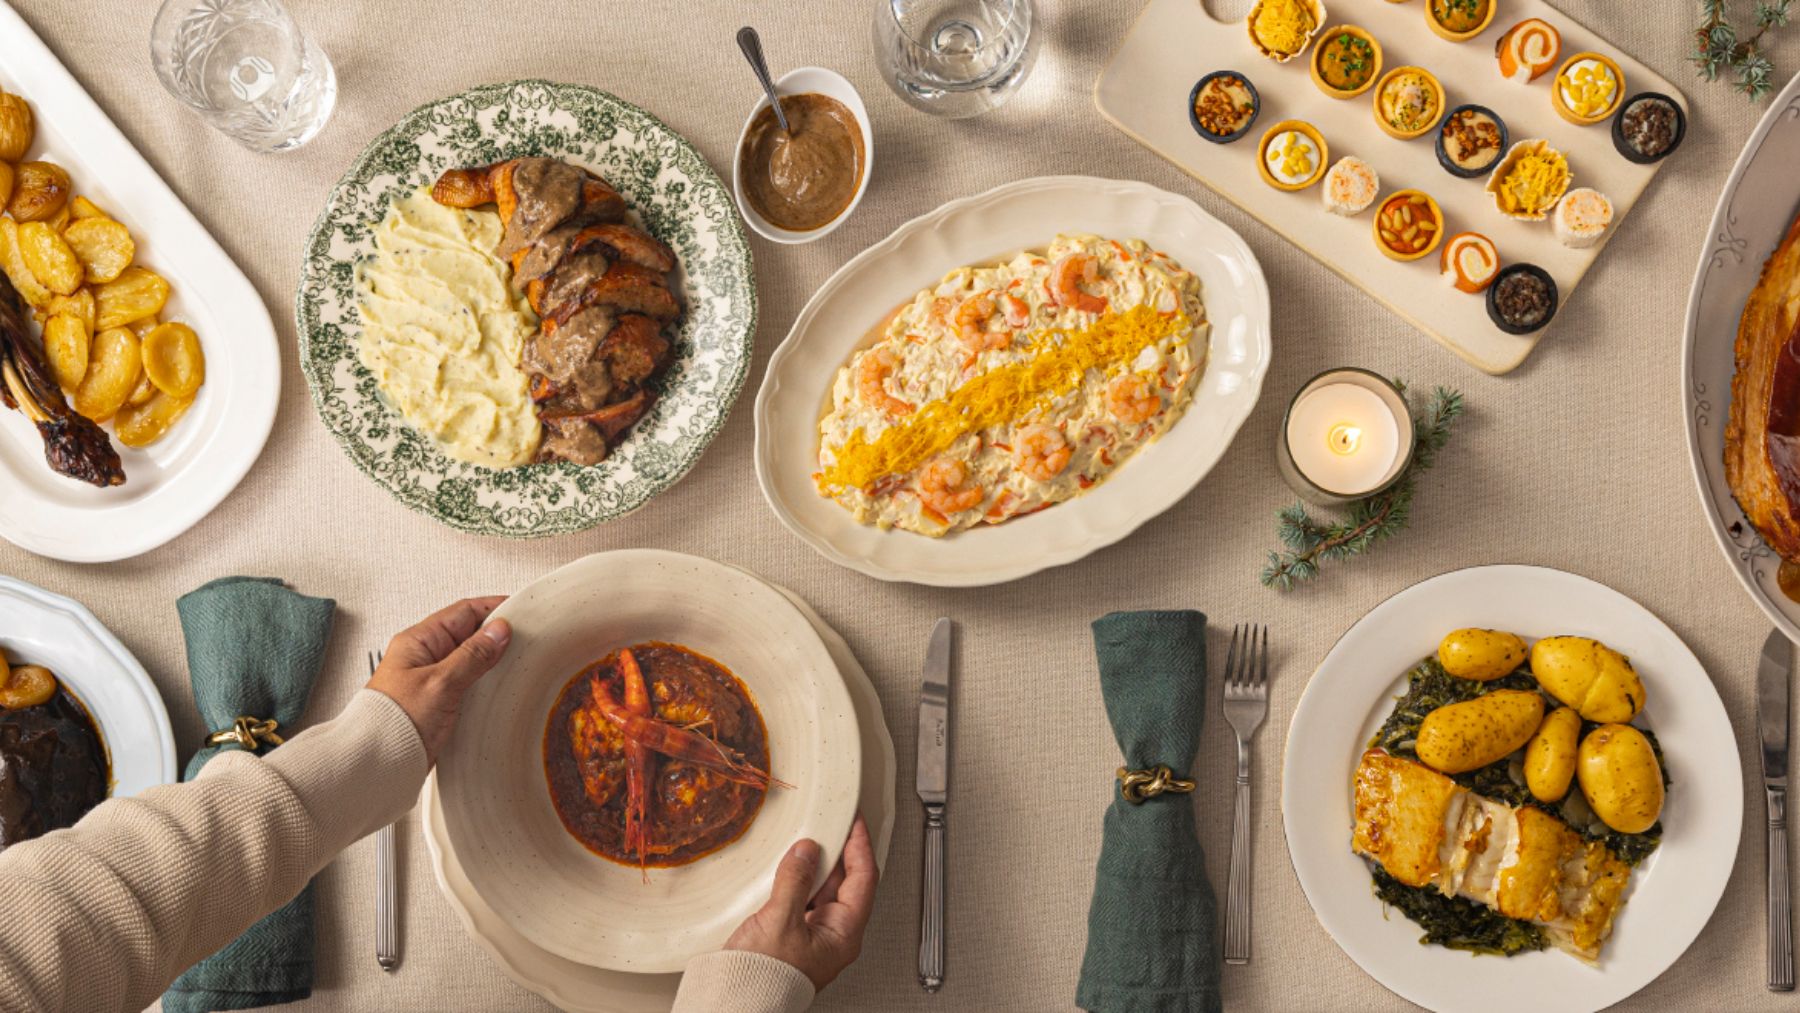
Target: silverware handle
column 751, row 44
column 1781, row 922
column 387, row 917
column 931, row 903
column 1237, row 900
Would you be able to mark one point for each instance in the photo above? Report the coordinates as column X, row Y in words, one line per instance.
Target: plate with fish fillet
column 1013, row 381
column 1512, row 787
column 526, row 309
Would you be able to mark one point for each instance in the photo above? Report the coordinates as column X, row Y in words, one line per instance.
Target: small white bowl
column 795, row 82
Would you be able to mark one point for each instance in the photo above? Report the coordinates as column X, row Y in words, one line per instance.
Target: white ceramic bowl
column 796, row 82
column 497, row 809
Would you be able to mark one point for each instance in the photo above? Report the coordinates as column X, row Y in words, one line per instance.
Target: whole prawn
column 638, row 759
column 677, row 742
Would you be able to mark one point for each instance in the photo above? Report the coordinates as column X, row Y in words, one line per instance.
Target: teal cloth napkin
column 1153, row 942
column 254, row 647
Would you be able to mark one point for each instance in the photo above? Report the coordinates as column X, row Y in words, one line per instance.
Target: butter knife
column 934, row 791
column 1772, row 679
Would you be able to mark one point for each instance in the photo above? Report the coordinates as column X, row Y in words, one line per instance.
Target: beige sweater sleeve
column 733, row 981
column 106, row 914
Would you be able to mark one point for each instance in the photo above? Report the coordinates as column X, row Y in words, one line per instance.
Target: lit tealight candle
column 1347, row 435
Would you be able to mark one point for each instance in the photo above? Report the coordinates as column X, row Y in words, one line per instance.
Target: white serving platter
column 1761, row 197
column 1672, row 893
column 981, row 229
column 170, row 486
column 1144, row 92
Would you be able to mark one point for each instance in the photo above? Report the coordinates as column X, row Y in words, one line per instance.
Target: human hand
column 822, row 936
column 429, row 667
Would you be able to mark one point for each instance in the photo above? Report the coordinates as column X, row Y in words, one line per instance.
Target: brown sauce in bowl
column 803, row 180
column 53, row 767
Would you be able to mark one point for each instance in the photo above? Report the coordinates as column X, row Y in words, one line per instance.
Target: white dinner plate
column 1759, row 202
column 40, row 628
column 497, row 810
column 585, row 989
column 170, row 486
column 982, row 229
column 1672, row 893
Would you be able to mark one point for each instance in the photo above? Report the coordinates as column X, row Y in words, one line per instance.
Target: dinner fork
column 387, row 915
column 1246, row 704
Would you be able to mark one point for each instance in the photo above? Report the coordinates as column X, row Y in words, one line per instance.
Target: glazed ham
column 600, row 287
column 1762, row 435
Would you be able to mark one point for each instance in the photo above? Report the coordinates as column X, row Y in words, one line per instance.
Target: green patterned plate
column 673, row 193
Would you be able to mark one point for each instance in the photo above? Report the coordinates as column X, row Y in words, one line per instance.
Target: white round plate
column 585, row 989
column 40, row 628
column 982, row 229
column 1672, row 893
column 170, row 486
column 497, row 810
column 1760, row 198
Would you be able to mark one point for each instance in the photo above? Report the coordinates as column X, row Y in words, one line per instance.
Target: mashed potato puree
column 442, row 331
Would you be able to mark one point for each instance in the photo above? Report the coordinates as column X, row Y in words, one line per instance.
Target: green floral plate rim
column 673, row 193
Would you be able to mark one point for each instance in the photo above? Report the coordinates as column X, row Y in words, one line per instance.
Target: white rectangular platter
column 1144, row 92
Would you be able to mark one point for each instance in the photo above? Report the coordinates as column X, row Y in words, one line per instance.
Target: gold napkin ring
column 1138, row 785
column 250, row 733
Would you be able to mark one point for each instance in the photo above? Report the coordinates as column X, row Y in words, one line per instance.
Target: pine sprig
column 1718, row 47
column 1311, row 542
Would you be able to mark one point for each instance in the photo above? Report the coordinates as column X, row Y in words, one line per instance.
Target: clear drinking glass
column 954, row 58
column 246, row 68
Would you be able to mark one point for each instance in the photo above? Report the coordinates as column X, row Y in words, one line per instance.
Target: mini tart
column 1542, row 193
column 1594, row 114
column 1316, row 9
column 1408, row 218
column 1430, row 121
column 1312, row 134
column 1470, row 262
column 1431, row 19
column 1327, row 40
column 1528, row 50
column 1200, row 126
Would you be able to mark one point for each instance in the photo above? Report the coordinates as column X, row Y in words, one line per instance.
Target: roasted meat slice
column 73, row 445
column 628, row 288
column 635, row 349
column 627, row 242
column 1762, row 434
column 613, row 419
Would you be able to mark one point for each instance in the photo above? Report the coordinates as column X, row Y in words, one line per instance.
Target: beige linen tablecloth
column 1576, row 461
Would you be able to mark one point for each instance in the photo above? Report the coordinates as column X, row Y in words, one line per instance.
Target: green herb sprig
column 1719, row 48
column 1311, row 542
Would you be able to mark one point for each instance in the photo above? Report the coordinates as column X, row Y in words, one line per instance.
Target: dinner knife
column 934, row 790
column 1772, row 678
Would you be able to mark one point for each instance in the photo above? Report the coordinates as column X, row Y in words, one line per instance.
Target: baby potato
column 40, row 189
column 1480, row 654
column 1550, row 755
column 6, row 183
column 81, row 305
column 141, row 425
column 114, row 365
column 66, row 346
column 16, row 127
column 13, row 265
column 1620, row 778
column 27, row 686
column 49, row 258
column 1589, row 676
column 173, row 360
column 1460, row 737
column 142, row 393
column 135, row 294
column 81, row 207
column 104, row 246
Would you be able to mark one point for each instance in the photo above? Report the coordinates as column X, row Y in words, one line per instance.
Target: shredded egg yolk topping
column 1285, row 25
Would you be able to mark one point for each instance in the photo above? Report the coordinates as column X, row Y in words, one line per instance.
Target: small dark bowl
column 1443, row 156
column 1618, row 128
column 1494, row 289
column 1255, row 107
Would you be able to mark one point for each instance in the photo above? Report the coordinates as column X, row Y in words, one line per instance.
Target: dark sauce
column 53, row 767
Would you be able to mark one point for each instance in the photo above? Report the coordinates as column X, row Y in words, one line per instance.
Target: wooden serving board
column 1144, row 92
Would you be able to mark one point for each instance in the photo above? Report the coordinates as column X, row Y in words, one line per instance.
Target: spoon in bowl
column 752, row 47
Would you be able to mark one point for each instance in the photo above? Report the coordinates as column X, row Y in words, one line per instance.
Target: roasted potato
column 16, row 128
column 49, row 258
column 81, row 207
column 81, row 304
column 34, row 294
column 104, row 247
column 133, row 295
column 27, row 686
column 40, row 190
column 114, row 365
column 59, row 220
column 1480, row 654
column 1550, row 755
column 1460, row 737
column 173, row 360
column 1589, row 676
column 6, row 183
column 1620, row 778
column 142, row 328
column 142, row 425
column 142, row 393
column 67, row 342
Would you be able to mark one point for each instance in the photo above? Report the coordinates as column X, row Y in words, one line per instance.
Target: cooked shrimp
column 972, row 320
column 1067, row 277
column 945, row 487
column 1041, row 452
column 1132, row 399
column 1018, row 312
column 871, row 381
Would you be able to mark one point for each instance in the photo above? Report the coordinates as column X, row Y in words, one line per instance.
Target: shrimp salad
column 1006, row 389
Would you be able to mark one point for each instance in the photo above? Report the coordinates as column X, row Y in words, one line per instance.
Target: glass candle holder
column 1347, row 435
